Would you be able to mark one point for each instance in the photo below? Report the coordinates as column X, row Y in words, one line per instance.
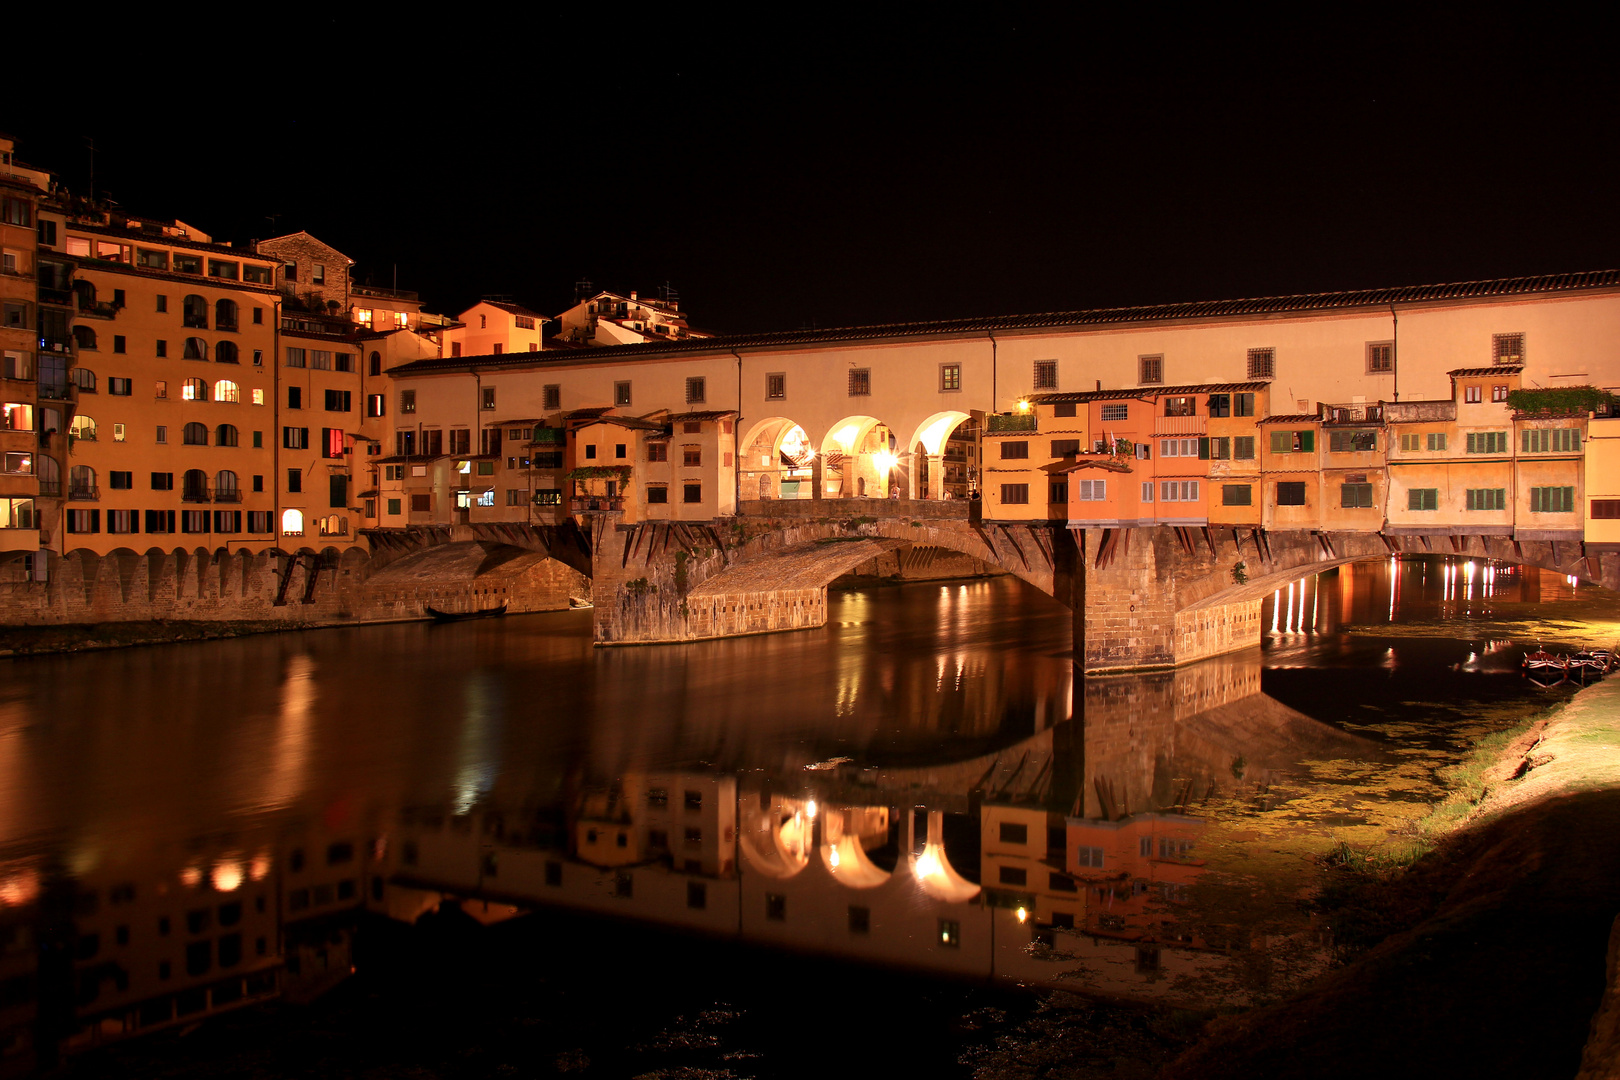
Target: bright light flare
column 1023, row 915
column 227, row 875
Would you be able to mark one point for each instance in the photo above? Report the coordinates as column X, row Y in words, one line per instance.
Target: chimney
column 632, row 294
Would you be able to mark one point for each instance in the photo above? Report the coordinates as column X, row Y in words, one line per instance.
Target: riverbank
column 1497, row 956
column 87, row 637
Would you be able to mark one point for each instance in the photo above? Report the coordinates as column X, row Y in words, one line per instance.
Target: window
column 225, row 352
column 1292, row 442
column 551, row 397
column 1437, row 440
column 161, row 347
column 692, row 493
column 1356, row 496
column 695, row 390
column 293, row 438
column 1291, row 493
column 860, row 382
column 1012, row 875
column 1487, row 498
column 1423, row 499
column 194, row 521
column 1219, row 448
column 691, row 456
column 1262, row 363
column 18, row 365
column 84, row 379
column 258, row 275
column 194, row 434
column 123, row 521
column 658, row 451
column 1342, row 442
column 1499, row 392
column 1410, row 444
column 1093, row 490
column 621, row 394
column 460, row 440
column 119, row 343
column 950, row 933
column 320, row 360
column 950, row 377
column 296, row 357
column 163, row 481
column 376, row 404
column 1242, row 404
column 317, row 276
column 1014, row 449
column 1116, row 412
column 1542, row 440
column 160, row 521
column 83, row 521
column 120, row 387
column 1472, row 395
column 1236, row 495
column 1487, row 442
column 17, row 211
column 1178, row 490
column 1015, row 494
column 1147, row 491
column 1065, row 447
column 194, row 312
column 1552, row 500
column 1057, row 492
column 1219, row 405
column 407, row 401
column 1046, row 375
column 1606, row 509
column 225, row 390
column 1507, row 348
column 1150, row 369
column 194, row 390
column 337, row 400
column 118, row 481
column 225, row 314
column 1380, row 357
column 292, row 522
column 258, row 481
column 1180, row 406
column 1067, row 409
column 295, row 480
column 82, row 426
column 225, row 435
column 1178, row 448
column 331, row 442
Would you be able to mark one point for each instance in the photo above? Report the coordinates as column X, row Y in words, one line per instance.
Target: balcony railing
column 596, row 504
column 56, row 391
column 192, row 494
column 1353, row 414
column 50, row 489
column 374, row 290
column 84, row 493
column 228, row 495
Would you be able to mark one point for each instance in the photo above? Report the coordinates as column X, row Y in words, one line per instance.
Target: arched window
column 194, row 486
column 225, row 435
column 225, row 489
column 225, row 353
column 376, row 363
column 83, row 427
column 292, row 523
column 84, row 337
column 195, row 434
column 194, row 390
column 225, row 390
column 196, row 312
column 50, row 476
column 224, row 314
column 335, row 525
column 82, row 483
column 84, row 379
column 196, row 348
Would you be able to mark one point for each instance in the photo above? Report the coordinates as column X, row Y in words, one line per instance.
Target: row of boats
column 1550, row 669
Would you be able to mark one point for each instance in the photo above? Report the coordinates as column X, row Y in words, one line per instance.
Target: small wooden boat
column 1589, row 661
column 462, row 616
column 579, row 603
column 1542, row 660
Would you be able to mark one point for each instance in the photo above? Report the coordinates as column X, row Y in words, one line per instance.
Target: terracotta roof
column 1494, row 369
column 1300, row 304
column 1291, row 418
column 511, row 309
column 718, row 414
column 587, row 414
column 157, row 239
column 1146, row 391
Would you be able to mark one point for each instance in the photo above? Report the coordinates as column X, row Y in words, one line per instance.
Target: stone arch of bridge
column 525, row 579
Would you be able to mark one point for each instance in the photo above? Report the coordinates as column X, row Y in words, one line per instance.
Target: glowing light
column 810, row 808
column 1023, row 915
column 927, row 865
column 259, row 867
column 845, row 436
column 884, row 460
column 1023, row 405
column 190, row 876
column 832, row 857
column 227, row 875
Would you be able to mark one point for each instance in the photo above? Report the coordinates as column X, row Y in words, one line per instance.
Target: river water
column 888, row 840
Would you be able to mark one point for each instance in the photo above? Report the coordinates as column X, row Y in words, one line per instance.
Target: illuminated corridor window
column 695, row 390
column 1236, row 495
column 1423, row 499
column 1487, row 442
column 621, row 393
column 776, row 386
column 1552, row 500
column 1487, row 498
column 292, row 523
column 1542, row 440
column 551, row 397
column 1380, row 357
column 1093, row 490
column 1291, row 493
column 1356, row 496
column 1507, row 348
column 1015, row 494
column 1150, row 369
column 860, row 382
column 1262, row 363
column 950, row 377
column 1046, row 375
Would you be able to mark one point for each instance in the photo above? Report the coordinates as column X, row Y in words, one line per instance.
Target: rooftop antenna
column 91, row 143
column 672, row 295
column 582, row 289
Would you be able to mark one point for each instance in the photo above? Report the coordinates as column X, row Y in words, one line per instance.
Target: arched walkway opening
column 861, row 459
column 944, row 457
column 777, row 462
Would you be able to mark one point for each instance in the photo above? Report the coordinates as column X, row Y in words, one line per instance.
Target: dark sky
column 845, row 166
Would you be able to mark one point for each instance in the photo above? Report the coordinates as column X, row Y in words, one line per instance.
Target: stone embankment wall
column 303, row 590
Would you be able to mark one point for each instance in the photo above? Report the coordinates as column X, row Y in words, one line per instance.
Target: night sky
column 797, row 166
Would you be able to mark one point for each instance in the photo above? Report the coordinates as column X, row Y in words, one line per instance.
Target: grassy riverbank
column 1491, row 949
column 80, row 637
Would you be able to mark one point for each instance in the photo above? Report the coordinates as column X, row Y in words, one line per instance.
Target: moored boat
column 461, row 616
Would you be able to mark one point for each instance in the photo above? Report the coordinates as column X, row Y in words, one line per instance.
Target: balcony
column 1353, row 414
column 195, row 495
column 325, row 325
column 82, row 493
column 381, row 293
column 596, row 504
column 50, row 489
column 97, row 309
column 1007, row 423
column 56, row 391
column 228, row 495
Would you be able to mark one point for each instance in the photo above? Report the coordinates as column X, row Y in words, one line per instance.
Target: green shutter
column 1203, row 449
column 1307, row 441
column 1282, row 442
